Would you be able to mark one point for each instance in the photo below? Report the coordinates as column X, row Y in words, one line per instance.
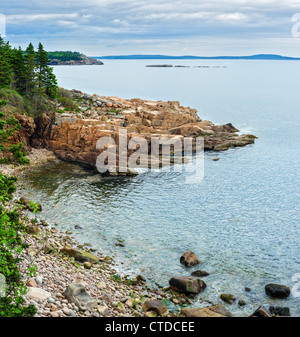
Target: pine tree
column 19, row 70
column 42, row 61
column 46, row 76
column 5, row 65
column 30, row 71
column 51, row 83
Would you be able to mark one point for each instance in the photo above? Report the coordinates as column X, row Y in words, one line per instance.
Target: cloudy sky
column 178, row 27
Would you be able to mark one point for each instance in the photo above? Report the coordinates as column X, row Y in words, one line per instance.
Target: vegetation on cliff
column 27, row 86
column 12, row 289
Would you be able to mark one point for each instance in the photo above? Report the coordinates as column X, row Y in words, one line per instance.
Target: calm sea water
column 242, row 220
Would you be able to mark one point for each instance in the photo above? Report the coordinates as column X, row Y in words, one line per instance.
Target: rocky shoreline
column 64, row 268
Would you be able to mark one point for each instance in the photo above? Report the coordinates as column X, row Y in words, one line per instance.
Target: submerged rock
column 228, row 298
column 241, row 303
column 200, row 273
column 217, row 310
column 187, row 284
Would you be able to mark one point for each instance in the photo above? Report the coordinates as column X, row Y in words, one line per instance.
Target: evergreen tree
column 5, row 66
column 45, row 74
column 30, row 71
column 19, row 70
column 42, row 61
column 51, row 83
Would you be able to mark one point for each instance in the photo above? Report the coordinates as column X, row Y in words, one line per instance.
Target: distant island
column 71, row 58
column 190, row 57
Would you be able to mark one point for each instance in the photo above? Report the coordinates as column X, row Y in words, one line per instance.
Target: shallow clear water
column 242, row 220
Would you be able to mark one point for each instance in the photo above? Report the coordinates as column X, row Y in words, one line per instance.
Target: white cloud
column 136, row 22
column 233, row 17
column 21, row 18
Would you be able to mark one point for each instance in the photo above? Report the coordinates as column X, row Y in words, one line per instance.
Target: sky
column 178, row 27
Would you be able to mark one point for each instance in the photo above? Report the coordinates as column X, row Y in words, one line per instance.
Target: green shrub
column 19, row 154
column 62, row 92
column 13, row 99
column 11, row 246
column 67, row 103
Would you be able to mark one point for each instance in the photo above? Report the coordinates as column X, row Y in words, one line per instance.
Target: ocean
column 242, row 220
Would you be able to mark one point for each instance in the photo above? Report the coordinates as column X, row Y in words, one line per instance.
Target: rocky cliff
column 73, row 136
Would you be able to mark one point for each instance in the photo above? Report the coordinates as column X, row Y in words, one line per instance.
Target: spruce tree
column 30, row 71
column 42, row 61
column 19, row 70
column 5, row 65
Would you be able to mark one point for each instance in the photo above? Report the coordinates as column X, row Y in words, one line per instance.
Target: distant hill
column 190, row 57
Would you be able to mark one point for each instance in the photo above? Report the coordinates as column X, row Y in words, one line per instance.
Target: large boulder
column 217, row 310
column 77, row 294
column 187, row 284
column 189, row 259
column 155, row 305
column 79, row 255
column 277, row 290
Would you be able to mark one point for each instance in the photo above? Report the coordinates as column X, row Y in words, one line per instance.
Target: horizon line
column 162, row 56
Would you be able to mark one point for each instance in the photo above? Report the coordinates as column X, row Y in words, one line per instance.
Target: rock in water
column 187, row 284
column 189, row 259
column 228, row 298
column 277, row 290
column 261, row 312
column 217, row 310
column 77, row 294
column 242, row 303
column 200, row 273
column 280, row 311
